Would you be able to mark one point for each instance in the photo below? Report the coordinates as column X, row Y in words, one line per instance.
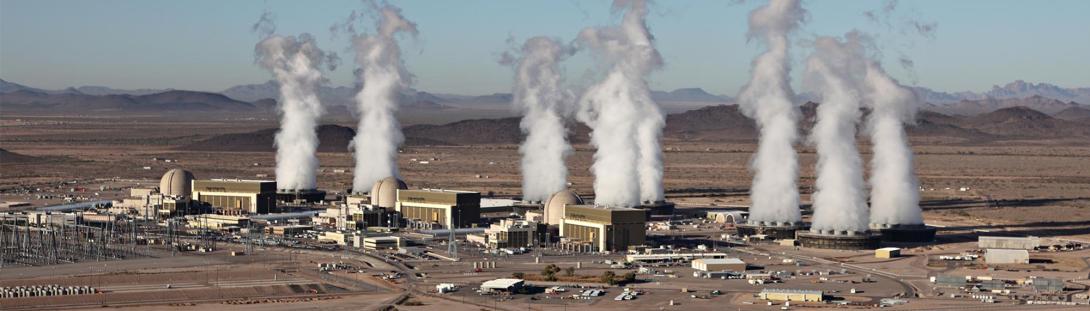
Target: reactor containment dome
column 384, row 192
column 554, row 206
column 176, row 183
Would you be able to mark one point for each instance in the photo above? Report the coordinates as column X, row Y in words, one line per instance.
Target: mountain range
column 1047, row 98
column 720, row 123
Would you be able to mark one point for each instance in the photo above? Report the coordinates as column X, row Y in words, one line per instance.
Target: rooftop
column 501, row 283
column 720, row 261
column 240, row 180
column 792, row 291
column 440, row 190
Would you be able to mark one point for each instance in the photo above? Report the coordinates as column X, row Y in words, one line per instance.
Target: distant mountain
column 939, row 98
column 169, row 101
column 1020, row 89
column 1016, row 89
column 9, row 87
column 979, row 106
column 331, row 96
column 1023, row 122
column 8, row 157
column 712, row 123
column 688, row 95
column 102, row 90
column 1079, row 113
column 331, row 138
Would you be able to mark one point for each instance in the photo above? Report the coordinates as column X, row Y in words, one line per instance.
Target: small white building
column 719, row 264
column 502, row 285
column 381, row 242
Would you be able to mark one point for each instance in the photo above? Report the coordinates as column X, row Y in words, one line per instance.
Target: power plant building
column 604, row 229
column 512, row 234
column 1026, row 243
column 236, row 196
column 175, row 189
column 554, row 206
column 780, row 294
column 719, row 264
column 431, row 208
column 1006, row 256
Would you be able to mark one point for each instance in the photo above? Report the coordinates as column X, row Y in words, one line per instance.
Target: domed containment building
column 176, row 183
column 384, row 192
column 176, row 188
column 554, row 206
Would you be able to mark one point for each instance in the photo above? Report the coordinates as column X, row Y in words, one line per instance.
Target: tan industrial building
column 236, row 196
column 1006, row 256
column 217, row 222
column 887, row 252
column 382, row 242
column 719, row 264
column 603, row 228
column 431, row 208
column 803, row 295
column 512, row 233
column 1027, row 243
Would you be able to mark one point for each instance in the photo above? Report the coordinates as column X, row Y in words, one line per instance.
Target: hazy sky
column 207, row 44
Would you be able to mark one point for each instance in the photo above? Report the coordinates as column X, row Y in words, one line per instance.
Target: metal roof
column 792, row 291
column 74, row 206
column 280, row 216
column 720, row 261
column 501, row 283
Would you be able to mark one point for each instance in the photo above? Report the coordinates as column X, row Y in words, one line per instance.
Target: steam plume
column 383, row 75
column 626, row 123
column 544, row 105
column 767, row 98
column 834, row 71
column 895, row 194
column 295, row 62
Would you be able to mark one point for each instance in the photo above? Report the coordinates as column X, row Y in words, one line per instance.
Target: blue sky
column 207, row 45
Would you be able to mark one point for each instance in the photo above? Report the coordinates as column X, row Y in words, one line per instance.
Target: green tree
column 609, row 277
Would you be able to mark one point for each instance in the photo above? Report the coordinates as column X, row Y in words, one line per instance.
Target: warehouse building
column 887, row 252
column 218, row 222
column 1047, row 285
column 502, row 285
column 719, row 264
column 438, row 208
column 603, row 228
column 672, row 257
column 236, row 196
column 946, row 280
column 803, row 295
column 1026, row 243
column 1006, row 256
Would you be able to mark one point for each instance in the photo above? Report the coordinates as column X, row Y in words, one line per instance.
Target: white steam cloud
column 296, row 64
column 544, row 104
column 895, row 197
column 626, row 123
column 834, row 71
column 384, row 77
column 767, row 98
